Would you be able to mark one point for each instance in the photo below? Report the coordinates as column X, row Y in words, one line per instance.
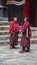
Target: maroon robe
column 14, row 29
column 25, row 42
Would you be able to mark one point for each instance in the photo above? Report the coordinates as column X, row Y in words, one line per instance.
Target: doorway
column 33, row 12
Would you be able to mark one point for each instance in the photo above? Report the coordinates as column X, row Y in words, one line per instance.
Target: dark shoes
column 10, row 47
column 13, row 47
column 22, row 51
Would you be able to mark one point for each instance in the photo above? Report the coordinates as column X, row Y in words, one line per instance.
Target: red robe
column 25, row 42
column 14, row 27
column 25, row 25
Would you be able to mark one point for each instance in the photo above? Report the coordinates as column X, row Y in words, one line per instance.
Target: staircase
column 34, row 35
column 4, row 33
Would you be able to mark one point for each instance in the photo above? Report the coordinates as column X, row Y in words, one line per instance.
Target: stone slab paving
column 13, row 57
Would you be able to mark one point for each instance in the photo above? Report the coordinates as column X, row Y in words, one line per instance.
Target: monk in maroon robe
column 14, row 30
column 26, row 34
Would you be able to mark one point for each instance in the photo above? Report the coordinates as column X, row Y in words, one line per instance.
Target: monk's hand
column 19, row 30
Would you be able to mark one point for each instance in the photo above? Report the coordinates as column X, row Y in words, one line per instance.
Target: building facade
column 19, row 10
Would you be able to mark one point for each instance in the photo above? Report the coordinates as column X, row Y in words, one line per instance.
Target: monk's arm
column 27, row 32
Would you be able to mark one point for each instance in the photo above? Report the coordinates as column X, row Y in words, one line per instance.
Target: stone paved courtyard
column 13, row 57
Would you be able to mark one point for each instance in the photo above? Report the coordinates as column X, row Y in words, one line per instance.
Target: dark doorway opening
column 32, row 12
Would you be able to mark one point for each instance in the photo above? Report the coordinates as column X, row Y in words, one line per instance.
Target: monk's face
column 15, row 19
column 25, row 19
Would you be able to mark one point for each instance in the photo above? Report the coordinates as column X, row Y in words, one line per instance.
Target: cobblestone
column 13, row 57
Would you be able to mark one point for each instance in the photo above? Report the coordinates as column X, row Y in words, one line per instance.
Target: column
column 1, row 9
column 26, row 9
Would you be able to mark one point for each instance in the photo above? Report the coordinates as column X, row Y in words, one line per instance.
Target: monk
column 14, row 30
column 26, row 34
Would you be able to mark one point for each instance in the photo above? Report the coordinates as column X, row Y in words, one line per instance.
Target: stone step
column 34, row 28
column 1, row 36
column 4, row 25
column 7, row 25
column 3, row 18
column 7, row 32
column 7, row 40
column 4, row 41
column 4, row 31
column 7, row 36
column 4, row 22
column 19, row 40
